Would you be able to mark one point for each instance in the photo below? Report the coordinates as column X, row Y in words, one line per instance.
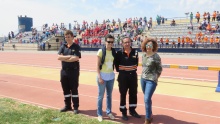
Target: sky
column 66, row 11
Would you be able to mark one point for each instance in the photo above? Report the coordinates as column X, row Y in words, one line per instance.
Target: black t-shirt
column 74, row 50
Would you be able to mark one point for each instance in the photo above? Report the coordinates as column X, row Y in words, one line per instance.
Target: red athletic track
column 88, row 62
column 48, row 93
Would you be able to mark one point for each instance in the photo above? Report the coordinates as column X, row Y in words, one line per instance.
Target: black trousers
column 127, row 82
column 70, row 81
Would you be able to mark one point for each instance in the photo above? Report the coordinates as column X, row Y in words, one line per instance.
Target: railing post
column 218, row 86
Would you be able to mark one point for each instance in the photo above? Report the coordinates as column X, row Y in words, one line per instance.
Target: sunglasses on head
column 149, row 45
column 110, row 41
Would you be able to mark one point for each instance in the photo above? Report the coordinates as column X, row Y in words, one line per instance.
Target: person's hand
column 101, row 81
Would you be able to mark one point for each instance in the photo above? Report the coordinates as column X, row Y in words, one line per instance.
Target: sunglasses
column 110, row 41
column 67, row 37
column 149, row 45
column 126, row 42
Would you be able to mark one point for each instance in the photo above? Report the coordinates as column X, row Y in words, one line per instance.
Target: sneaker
column 100, row 118
column 111, row 116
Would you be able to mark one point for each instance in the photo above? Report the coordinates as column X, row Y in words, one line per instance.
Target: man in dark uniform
column 126, row 63
column 69, row 55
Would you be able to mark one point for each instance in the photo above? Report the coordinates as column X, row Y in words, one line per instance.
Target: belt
column 71, row 68
column 128, row 72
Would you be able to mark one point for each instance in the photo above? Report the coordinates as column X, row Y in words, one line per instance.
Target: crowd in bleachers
column 188, row 42
column 93, row 33
column 204, row 36
column 90, row 34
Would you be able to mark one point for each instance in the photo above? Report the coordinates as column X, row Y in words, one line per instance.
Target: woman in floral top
column 151, row 70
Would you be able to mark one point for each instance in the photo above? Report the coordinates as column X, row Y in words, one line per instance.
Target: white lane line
column 180, row 111
column 183, row 78
column 59, row 91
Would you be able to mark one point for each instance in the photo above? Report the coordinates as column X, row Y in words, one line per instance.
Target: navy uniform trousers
column 127, row 82
column 70, row 82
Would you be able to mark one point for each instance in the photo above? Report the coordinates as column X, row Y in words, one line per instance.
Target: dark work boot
column 124, row 116
column 134, row 114
column 75, row 101
column 67, row 107
column 75, row 111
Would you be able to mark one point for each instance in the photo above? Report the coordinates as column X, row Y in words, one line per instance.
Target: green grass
column 13, row 112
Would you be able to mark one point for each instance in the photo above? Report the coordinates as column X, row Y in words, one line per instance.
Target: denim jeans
column 108, row 85
column 148, row 88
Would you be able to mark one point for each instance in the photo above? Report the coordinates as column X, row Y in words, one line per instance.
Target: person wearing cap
column 69, row 55
column 126, row 63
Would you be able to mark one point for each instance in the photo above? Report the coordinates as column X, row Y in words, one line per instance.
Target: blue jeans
column 108, row 85
column 148, row 88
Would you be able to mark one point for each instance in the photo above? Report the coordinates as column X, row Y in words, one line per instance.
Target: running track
column 167, row 109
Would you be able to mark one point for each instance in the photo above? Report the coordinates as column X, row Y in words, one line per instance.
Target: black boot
column 124, row 116
column 75, row 101
column 134, row 114
column 67, row 107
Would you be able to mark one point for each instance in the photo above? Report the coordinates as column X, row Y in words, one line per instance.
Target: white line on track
column 210, row 116
column 183, row 78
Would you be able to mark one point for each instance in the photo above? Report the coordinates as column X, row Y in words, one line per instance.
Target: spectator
column 2, row 46
column 217, row 42
column 167, row 42
column 191, row 17
column 204, row 24
column 158, row 19
column 173, row 44
column 12, row 34
column 145, row 20
column 214, row 16
column 208, row 27
column 208, row 17
column 204, row 15
column 211, row 41
column 197, row 16
column 183, row 42
column 148, row 26
column 200, row 26
column 190, row 26
column 187, row 41
column 119, row 21
column 162, row 19
column 217, row 29
column 218, row 16
column 150, row 23
column 173, row 23
column 9, row 36
column 161, row 42
column 179, row 41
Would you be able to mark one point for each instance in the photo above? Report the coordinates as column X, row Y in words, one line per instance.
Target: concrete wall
column 19, row 46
